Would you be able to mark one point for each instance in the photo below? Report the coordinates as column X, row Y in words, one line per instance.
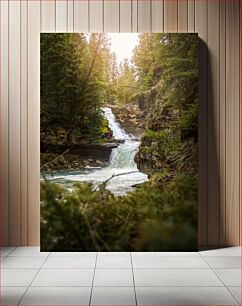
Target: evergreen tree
column 73, row 78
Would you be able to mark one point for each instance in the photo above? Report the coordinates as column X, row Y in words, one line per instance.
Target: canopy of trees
column 73, row 79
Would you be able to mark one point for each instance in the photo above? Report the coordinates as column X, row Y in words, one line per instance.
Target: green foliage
column 122, row 82
column 175, row 228
column 148, row 219
column 73, row 78
column 169, row 63
column 159, row 135
column 105, row 127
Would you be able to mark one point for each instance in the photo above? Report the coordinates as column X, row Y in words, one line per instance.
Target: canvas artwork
column 119, row 141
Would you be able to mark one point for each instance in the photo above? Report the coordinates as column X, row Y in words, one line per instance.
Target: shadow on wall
column 209, row 226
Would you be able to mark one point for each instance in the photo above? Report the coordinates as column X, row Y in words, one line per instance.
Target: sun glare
column 123, row 44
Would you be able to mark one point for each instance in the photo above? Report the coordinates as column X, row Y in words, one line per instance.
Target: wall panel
column 157, row 20
column 34, row 29
column 61, row 15
column 213, row 123
column 232, row 122
column 182, row 16
column 4, row 122
column 134, row 12
column 14, row 121
column 81, row 16
column 24, row 123
column 96, row 16
column 171, row 15
column 70, row 15
column 217, row 23
column 125, row 16
column 111, row 16
column 191, row 16
column 201, row 28
column 48, row 16
column 144, row 15
column 222, row 120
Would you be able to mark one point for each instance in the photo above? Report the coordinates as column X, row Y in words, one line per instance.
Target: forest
column 152, row 101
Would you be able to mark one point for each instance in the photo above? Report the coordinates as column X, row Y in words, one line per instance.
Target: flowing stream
column 122, row 165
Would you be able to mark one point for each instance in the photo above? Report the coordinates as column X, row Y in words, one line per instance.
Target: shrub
column 149, row 219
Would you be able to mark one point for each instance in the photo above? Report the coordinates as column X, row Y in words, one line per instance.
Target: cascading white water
column 118, row 132
column 122, row 165
column 122, row 157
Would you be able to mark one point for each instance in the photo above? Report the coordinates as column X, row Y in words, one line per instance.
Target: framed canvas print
column 119, row 141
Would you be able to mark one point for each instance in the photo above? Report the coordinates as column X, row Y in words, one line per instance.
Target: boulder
column 99, row 162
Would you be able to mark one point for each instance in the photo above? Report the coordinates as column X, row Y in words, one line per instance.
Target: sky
column 123, row 44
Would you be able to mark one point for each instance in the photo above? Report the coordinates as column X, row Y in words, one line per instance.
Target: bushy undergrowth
column 149, row 219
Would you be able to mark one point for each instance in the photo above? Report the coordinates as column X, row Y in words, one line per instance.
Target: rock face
column 169, row 144
column 133, row 118
column 147, row 100
column 150, row 155
column 130, row 118
column 76, row 157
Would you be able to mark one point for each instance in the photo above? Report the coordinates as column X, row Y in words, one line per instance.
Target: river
column 121, row 161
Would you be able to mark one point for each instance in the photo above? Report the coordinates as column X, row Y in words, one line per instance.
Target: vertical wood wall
column 217, row 23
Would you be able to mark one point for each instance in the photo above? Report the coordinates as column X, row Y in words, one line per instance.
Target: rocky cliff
column 130, row 118
column 169, row 142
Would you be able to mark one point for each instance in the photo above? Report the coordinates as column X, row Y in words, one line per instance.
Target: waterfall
column 123, row 156
column 122, row 165
column 118, row 132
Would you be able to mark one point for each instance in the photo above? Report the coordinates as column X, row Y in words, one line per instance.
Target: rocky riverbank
column 76, row 157
column 63, row 149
